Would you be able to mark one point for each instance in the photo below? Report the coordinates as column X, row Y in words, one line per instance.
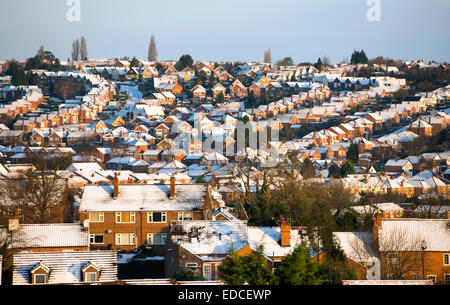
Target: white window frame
column 181, row 216
column 151, row 238
column 40, row 274
column 86, row 276
column 432, row 277
column 92, row 239
column 447, row 279
column 101, row 217
column 150, row 217
column 131, row 239
column 132, row 217
column 207, row 269
column 446, row 256
column 192, row 266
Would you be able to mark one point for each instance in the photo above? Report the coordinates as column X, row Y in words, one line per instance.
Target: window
column 185, row 216
column 40, row 278
column 206, row 270
column 192, row 266
column 96, row 217
column 96, row 238
column 392, row 259
column 447, row 279
column 157, row 217
column 91, row 276
column 432, row 277
column 125, row 239
column 125, row 217
column 447, row 259
column 156, row 238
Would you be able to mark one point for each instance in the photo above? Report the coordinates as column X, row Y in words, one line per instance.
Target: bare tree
column 363, row 250
column 400, row 253
column 152, row 51
column 267, row 56
column 65, row 87
column 325, row 60
column 83, row 48
column 76, row 50
column 41, row 53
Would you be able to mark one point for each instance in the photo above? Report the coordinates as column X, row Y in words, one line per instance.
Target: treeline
column 427, row 79
column 21, row 75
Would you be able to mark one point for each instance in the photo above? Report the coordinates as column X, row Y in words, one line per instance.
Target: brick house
column 413, row 249
column 238, row 89
column 128, row 216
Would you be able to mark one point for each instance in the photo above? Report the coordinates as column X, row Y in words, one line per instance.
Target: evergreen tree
column 251, row 269
column 319, row 64
column 187, row 274
column 359, row 57
column 134, row 62
column 184, row 61
column 348, row 168
column 256, row 271
column 352, row 153
column 251, row 99
column 212, row 80
column 220, row 98
column 298, row 269
column 334, row 268
column 334, row 171
column 201, row 78
column 232, row 270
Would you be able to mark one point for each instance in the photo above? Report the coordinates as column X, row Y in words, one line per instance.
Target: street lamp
column 424, row 247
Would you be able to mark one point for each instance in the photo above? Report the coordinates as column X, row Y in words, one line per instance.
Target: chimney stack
column 285, row 232
column 376, row 226
column 13, row 224
column 172, row 186
column 116, row 186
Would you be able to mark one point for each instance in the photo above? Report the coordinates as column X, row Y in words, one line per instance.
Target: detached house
column 238, row 89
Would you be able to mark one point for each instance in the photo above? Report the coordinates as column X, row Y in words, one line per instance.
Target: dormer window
column 90, row 273
column 39, row 274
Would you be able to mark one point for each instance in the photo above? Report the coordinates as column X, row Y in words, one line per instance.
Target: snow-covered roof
column 270, row 237
column 143, row 197
column 205, row 238
column 409, row 234
column 65, row 267
column 49, row 236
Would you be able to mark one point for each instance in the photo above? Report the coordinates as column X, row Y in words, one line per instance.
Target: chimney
column 116, row 186
column 172, row 186
column 377, row 222
column 13, row 224
column 285, row 232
